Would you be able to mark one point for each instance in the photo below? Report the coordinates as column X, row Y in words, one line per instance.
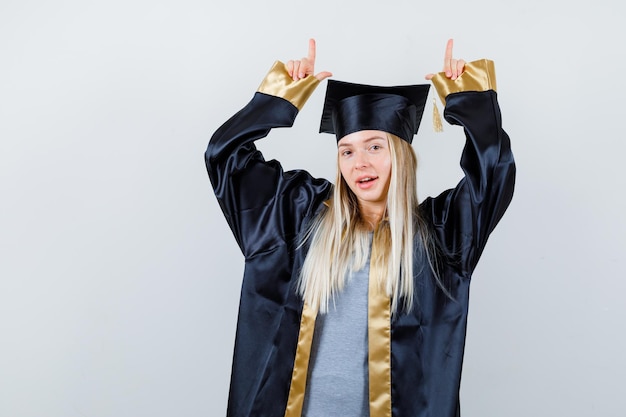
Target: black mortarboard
column 350, row 107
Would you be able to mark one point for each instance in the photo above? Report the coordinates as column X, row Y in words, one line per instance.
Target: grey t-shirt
column 337, row 383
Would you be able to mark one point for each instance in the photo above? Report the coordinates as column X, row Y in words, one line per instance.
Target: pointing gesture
column 451, row 66
column 306, row 66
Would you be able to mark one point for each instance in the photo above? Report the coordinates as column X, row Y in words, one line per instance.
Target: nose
column 360, row 160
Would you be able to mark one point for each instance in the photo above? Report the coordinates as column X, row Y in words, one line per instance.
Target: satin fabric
column 295, row 400
column 278, row 83
column 268, row 209
column 363, row 112
column 350, row 107
column 379, row 346
column 479, row 75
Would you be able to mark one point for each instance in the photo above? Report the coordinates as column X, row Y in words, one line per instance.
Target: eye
column 345, row 153
column 375, row 147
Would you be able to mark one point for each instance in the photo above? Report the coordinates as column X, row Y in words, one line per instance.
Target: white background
column 119, row 278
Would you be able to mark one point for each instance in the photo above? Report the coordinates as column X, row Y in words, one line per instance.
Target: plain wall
column 119, row 277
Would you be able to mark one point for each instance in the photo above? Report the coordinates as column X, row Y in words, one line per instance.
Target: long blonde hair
column 339, row 241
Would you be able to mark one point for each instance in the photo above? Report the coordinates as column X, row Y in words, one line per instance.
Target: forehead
column 362, row 136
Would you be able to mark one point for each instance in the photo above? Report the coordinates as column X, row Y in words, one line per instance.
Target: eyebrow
column 369, row 139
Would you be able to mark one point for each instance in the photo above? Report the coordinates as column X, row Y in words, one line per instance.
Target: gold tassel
column 437, row 124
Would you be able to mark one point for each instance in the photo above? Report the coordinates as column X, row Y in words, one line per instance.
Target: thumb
column 429, row 76
column 323, row 75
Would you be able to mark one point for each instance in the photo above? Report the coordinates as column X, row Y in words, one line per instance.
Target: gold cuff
column 278, row 83
column 477, row 76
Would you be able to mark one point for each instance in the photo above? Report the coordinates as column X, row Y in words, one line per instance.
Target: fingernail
column 301, row 75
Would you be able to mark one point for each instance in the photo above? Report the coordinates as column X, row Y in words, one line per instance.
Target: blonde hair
column 339, row 241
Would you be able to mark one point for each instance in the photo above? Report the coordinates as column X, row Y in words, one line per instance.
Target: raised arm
column 466, row 215
column 263, row 205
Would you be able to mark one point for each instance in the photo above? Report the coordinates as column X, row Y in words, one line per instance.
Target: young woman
column 355, row 297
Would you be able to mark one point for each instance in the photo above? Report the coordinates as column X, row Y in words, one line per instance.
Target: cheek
column 343, row 168
column 345, row 175
column 385, row 167
column 389, row 169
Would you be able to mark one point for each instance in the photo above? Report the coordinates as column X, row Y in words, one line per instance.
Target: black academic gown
column 267, row 210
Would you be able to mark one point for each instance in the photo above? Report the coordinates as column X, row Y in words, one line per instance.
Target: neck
column 371, row 215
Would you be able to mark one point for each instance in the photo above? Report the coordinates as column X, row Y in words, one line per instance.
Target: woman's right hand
column 304, row 67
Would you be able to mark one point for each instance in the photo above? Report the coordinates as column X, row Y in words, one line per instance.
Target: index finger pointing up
column 449, row 46
column 447, row 58
column 311, row 55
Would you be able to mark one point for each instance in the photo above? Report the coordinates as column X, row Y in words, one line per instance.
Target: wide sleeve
column 464, row 217
column 263, row 205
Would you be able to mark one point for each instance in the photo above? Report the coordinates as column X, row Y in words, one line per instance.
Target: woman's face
column 365, row 164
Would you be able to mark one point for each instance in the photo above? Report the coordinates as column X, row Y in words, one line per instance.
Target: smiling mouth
column 365, row 180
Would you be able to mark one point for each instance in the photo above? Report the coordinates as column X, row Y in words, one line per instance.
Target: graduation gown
column 416, row 357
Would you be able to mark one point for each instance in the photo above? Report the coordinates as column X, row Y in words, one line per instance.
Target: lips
column 365, row 182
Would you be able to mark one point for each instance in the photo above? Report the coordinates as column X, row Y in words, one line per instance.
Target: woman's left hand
column 451, row 66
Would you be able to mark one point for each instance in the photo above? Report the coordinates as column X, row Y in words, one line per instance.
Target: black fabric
column 350, row 107
column 267, row 210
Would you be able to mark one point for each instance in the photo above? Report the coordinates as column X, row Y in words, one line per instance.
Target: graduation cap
column 350, row 107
